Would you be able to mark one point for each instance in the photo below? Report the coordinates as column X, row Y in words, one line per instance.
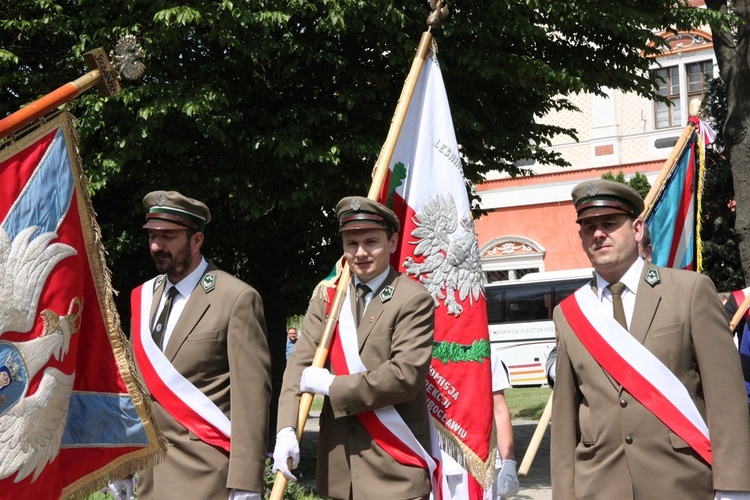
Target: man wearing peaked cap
column 171, row 210
column 387, row 337
column 357, row 212
column 602, row 197
column 208, row 327
column 649, row 399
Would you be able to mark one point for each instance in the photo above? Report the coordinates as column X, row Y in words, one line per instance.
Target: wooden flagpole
column 669, row 164
column 102, row 76
column 378, row 178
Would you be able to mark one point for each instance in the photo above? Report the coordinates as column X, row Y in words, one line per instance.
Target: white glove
column 235, row 494
column 732, row 495
column 121, row 489
column 507, row 479
column 316, row 380
column 286, row 447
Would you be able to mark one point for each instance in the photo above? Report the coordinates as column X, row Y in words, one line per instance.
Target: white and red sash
column 384, row 425
column 636, row 369
column 189, row 406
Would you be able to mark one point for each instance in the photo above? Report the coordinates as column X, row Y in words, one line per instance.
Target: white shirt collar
column 189, row 282
column 376, row 282
column 631, row 278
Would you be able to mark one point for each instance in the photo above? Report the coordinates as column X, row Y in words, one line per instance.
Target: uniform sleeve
column 400, row 377
column 723, row 389
column 565, row 400
column 301, row 358
column 250, row 386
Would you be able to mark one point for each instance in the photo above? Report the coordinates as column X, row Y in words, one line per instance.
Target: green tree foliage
column 272, row 110
column 721, row 255
column 639, row 181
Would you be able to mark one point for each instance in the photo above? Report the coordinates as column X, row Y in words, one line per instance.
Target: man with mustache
column 649, row 399
column 200, row 343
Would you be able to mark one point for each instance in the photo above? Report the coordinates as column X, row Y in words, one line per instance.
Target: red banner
column 438, row 247
column 71, row 413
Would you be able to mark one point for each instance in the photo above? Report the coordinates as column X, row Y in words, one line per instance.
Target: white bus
column 520, row 320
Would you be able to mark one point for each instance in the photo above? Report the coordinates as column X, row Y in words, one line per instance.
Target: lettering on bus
column 546, row 329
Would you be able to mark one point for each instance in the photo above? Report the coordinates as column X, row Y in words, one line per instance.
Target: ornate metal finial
column 439, row 12
column 126, row 58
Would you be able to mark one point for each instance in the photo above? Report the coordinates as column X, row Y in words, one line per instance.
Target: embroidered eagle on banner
column 31, row 426
column 452, row 267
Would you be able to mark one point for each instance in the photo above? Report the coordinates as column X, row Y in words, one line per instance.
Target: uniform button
column 352, row 430
column 628, row 440
column 623, row 403
column 348, row 412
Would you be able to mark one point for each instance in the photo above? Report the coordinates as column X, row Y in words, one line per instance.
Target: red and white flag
column 438, row 247
column 71, row 412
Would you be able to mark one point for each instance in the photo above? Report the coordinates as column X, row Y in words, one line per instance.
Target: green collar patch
column 386, row 294
column 159, row 281
column 652, row 277
column 208, row 282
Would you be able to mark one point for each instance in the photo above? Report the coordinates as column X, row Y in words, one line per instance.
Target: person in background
column 291, row 339
column 380, row 355
column 649, row 400
column 201, row 333
column 506, row 478
column 455, row 485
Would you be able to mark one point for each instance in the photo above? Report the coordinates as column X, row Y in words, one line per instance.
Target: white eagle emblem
column 452, row 265
column 32, row 426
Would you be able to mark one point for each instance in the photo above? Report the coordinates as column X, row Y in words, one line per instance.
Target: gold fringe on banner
column 483, row 471
column 155, row 452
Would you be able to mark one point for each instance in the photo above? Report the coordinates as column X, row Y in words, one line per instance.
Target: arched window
column 510, row 258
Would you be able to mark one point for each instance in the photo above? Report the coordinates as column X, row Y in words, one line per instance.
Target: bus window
column 495, row 309
column 528, row 303
column 562, row 290
column 520, row 320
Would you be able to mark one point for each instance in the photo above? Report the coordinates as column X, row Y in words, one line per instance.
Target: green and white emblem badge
column 652, row 277
column 386, row 294
column 208, row 282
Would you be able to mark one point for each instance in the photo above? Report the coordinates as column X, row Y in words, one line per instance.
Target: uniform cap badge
column 591, row 190
column 161, row 200
column 355, row 205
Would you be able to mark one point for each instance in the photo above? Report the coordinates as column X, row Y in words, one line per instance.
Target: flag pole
column 101, row 75
column 378, row 178
column 666, row 170
column 536, row 439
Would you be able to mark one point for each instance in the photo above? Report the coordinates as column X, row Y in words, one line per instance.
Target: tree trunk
column 734, row 66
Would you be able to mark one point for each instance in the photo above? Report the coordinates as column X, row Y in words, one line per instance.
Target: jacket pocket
column 201, row 336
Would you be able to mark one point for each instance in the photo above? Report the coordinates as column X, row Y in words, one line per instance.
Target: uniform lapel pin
column 652, row 277
column 386, row 294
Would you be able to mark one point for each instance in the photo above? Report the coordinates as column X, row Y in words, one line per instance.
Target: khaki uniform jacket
column 605, row 444
column 395, row 341
column 219, row 345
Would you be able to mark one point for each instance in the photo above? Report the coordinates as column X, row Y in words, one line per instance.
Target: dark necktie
column 617, row 307
column 160, row 327
column 362, row 291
